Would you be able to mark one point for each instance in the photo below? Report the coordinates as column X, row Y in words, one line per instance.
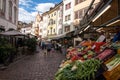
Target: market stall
column 103, row 53
column 105, row 50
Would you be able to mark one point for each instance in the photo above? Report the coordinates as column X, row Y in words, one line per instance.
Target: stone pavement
column 33, row 67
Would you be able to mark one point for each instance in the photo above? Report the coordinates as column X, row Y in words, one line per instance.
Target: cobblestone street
column 33, row 67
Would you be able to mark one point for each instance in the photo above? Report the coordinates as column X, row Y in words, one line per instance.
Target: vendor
column 116, row 37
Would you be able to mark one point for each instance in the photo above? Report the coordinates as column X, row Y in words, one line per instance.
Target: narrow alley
column 33, row 67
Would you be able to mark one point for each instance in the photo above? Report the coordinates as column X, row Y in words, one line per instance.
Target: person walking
column 49, row 47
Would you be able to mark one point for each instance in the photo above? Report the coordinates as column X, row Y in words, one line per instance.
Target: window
column 48, row 31
column 60, row 14
column 67, row 6
column 37, row 25
column 15, row 16
column 51, row 22
column 10, row 10
column 60, row 21
column 67, row 18
column 79, row 14
column 2, row 7
column 54, row 30
column 54, row 13
column 60, row 31
column 51, row 30
column 76, row 15
column 67, row 28
column 15, row 1
column 40, row 30
column 78, row 1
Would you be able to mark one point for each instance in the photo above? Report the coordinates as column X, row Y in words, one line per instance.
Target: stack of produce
column 80, row 54
column 106, row 54
column 114, row 62
column 78, row 70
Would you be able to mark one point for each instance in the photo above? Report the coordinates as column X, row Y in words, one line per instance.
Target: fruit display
column 83, row 62
column 80, row 54
column 107, row 53
column 78, row 70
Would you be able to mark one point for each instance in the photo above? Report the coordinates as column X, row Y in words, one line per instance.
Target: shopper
column 49, row 47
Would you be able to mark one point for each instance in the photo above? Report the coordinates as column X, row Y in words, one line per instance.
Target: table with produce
column 83, row 63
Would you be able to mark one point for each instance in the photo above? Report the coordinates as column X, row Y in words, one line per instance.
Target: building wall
column 26, row 30
column 5, row 19
column 60, row 20
column 53, row 17
column 45, row 24
column 82, row 7
column 37, row 26
column 68, row 12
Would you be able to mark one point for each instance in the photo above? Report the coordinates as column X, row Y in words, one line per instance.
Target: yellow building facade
column 52, row 24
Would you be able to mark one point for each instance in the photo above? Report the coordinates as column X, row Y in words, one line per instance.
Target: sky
column 28, row 9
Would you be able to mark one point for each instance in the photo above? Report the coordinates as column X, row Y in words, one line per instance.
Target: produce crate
column 113, row 74
column 106, row 54
column 110, row 59
column 118, row 50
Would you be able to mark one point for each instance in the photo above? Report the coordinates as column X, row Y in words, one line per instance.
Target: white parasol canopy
column 11, row 33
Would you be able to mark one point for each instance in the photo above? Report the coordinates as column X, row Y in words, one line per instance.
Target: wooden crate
column 113, row 75
column 118, row 50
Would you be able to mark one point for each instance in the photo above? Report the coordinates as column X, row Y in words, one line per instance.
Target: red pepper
column 74, row 58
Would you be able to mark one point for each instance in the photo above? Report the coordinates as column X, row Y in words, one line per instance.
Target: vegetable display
column 80, row 54
column 115, row 62
column 106, row 53
column 78, row 70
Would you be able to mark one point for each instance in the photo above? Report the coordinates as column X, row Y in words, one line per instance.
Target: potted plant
column 31, row 44
column 6, row 52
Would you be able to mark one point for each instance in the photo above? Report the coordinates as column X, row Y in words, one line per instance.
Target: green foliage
column 6, row 50
column 84, row 71
column 31, row 44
